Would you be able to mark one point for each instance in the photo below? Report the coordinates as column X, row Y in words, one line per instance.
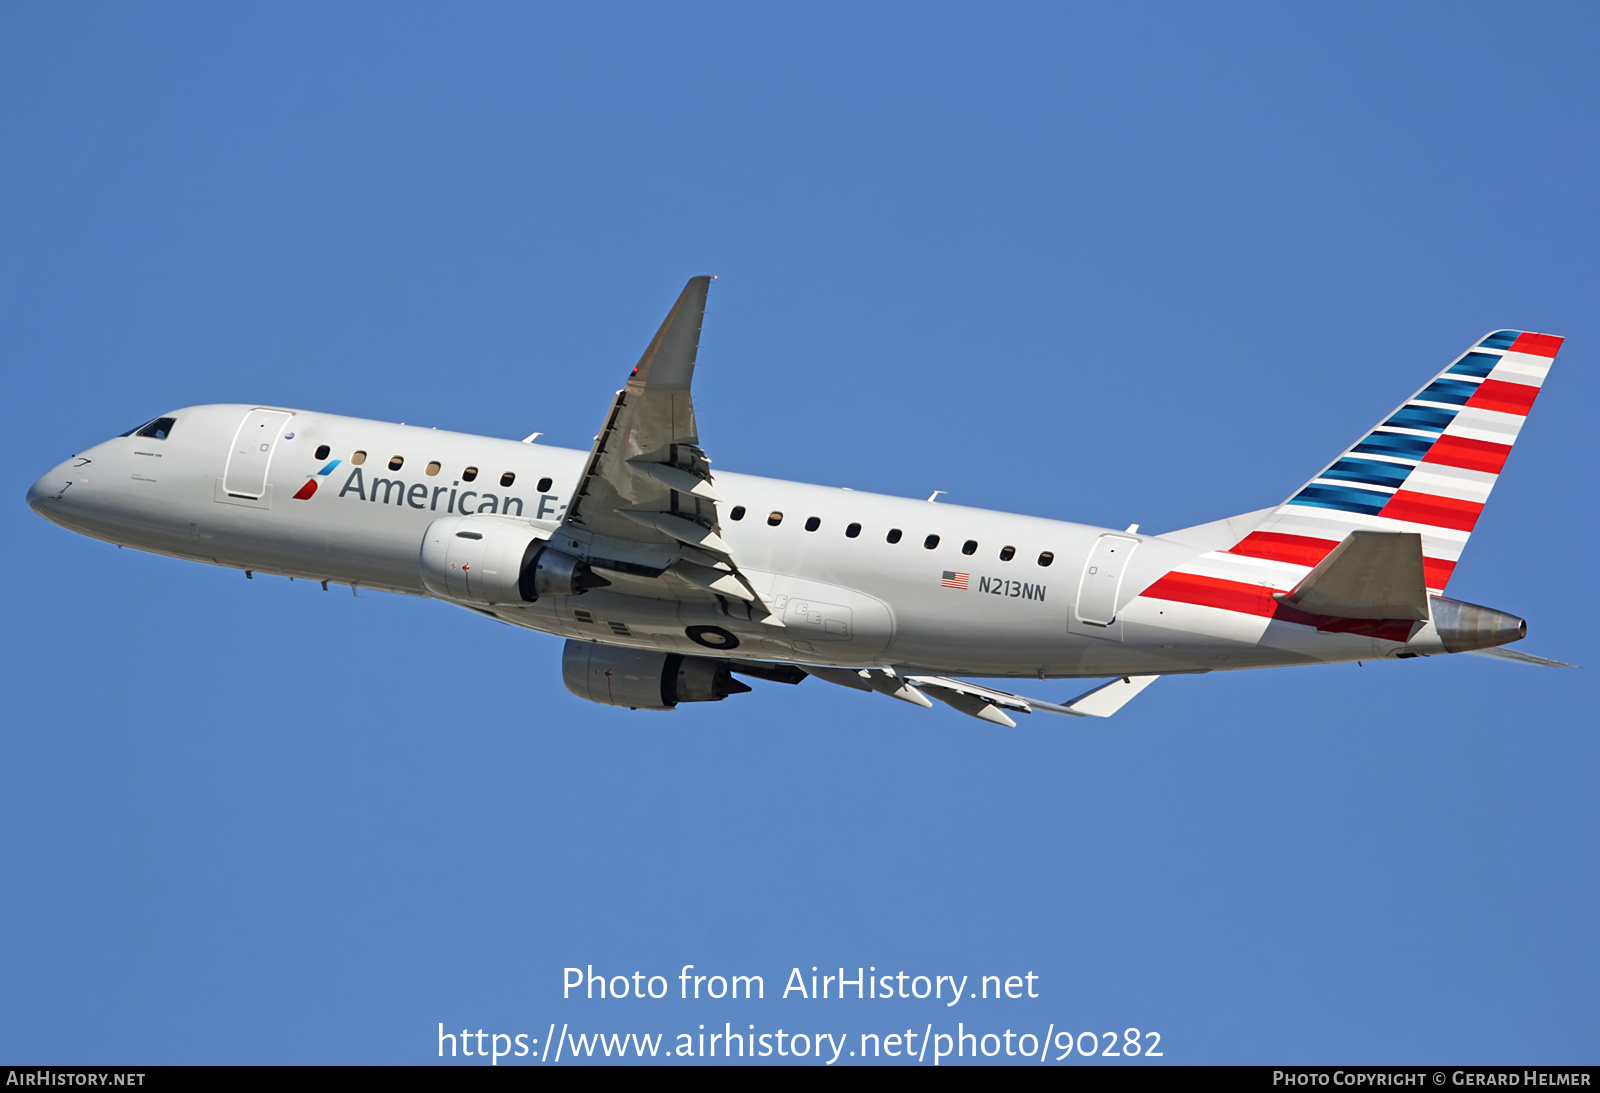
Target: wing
column 645, row 511
column 984, row 703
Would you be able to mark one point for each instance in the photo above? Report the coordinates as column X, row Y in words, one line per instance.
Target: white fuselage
column 848, row 600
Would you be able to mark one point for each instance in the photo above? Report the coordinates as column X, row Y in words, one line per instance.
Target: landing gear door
column 1102, row 580
column 251, row 454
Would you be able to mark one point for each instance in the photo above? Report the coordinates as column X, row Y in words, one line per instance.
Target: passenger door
column 251, row 454
column 1102, row 579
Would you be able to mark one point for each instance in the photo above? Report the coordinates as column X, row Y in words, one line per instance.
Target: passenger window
column 508, row 478
column 970, row 546
column 396, row 462
column 852, row 531
column 1007, row 553
column 159, row 429
column 543, row 486
column 893, row 536
column 323, row 451
column 1046, row 558
column 812, row 523
column 431, row 469
column 930, row 542
column 469, row 474
column 737, row 513
column 358, row 458
column 774, row 519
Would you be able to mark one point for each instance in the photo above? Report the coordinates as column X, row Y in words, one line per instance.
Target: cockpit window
column 159, row 429
column 143, row 428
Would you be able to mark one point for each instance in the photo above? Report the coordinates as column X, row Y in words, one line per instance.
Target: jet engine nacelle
column 641, row 679
column 476, row 559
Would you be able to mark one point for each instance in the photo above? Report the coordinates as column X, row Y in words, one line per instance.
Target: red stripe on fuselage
column 1539, row 345
column 1255, row 599
column 1247, row 599
column 1508, row 398
column 1471, row 455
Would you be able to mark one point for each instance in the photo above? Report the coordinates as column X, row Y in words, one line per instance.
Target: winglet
column 1108, row 698
column 668, row 362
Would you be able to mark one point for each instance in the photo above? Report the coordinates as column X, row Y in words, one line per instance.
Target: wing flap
column 719, row 581
column 676, row 478
column 679, row 528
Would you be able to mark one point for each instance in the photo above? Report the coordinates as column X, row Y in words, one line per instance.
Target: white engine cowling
column 476, row 559
column 641, row 679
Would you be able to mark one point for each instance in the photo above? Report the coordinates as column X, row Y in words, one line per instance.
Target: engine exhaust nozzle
column 553, row 573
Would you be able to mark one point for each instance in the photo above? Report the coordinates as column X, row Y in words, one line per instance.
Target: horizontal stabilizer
column 1108, row 698
column 1371, row 575
column 1499, row 652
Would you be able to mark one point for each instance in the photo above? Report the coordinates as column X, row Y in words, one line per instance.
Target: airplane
column 668, row 581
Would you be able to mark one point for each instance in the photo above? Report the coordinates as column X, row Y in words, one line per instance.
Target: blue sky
column 1154, row 264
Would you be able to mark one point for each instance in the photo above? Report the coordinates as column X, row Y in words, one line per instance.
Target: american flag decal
column 954, row 580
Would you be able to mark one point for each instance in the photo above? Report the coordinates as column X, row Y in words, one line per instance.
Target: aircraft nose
column 46, row 491
column 36, row 495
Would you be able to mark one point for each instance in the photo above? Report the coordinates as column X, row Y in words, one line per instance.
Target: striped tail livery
column 1369, row 544
column 1427, row 468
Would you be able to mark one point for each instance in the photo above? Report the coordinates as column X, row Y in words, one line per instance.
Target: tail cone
column 1466, row 626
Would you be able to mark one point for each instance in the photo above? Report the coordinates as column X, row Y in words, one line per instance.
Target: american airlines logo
column 305, row 491
column 422, row 495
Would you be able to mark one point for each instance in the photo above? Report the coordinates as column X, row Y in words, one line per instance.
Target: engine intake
column 643, row 680
column 477, row 559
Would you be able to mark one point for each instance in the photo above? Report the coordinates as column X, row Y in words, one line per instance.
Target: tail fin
column 1427, row 468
